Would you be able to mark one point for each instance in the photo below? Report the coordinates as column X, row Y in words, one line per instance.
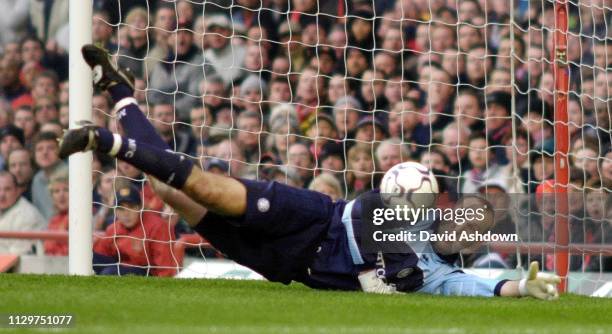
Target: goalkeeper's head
column 483, row 209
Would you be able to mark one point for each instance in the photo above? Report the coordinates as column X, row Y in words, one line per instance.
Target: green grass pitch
column 155, row 305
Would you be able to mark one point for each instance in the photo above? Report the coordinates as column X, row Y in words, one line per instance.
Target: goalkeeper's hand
column 371, row 283
column 539, row 285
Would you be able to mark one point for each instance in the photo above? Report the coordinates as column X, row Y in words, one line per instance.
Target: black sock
column 120, row 91
column 136, row 125
column 167, row 166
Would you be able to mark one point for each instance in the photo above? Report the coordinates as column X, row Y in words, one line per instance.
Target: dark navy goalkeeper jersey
column 341, row 257
column 289, row 234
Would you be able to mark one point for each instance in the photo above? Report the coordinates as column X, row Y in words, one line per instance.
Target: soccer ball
column 409, row 183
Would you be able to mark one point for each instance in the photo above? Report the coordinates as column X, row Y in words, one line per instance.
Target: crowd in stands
column 325, row 95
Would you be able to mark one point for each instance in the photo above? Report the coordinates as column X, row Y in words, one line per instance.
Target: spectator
column 249, row 134
column 32, row 51
column 135, row 177
column 405, row 124
column 389, row 153
column 280, row 91
column 11, row 138
column 290, row 36
column 10, row 84
column 321, row 129
column 599, row 230
column 252, row 95
column 395, row 89
column 284, row 131
column 542, row 168
column 585, row 159
column 468, row 111
column 103, row 31
column 58, row 187
column 309, row 94
column 478, row 65
column 331, row 160
column 347, row 112
column 498, row 121
column 20, row 164
column 436, row 85
column 164, row 23
column 115, row 253
column 17, row 215
column 48, row 17
column 164, row 122
column 602, row 54
column 299, row 157
column 133, row 56
column 226, row 58
column 200, row 121
column 575, row 118
column 439, row 163
column 454, row 145
column 53, row 127
column 230, row 151
column 356, row 64
column 181, row 74
column 24, row 120
column 435, row 159
column 372, row 90
column 453, row 62
column 12, row 51
column 361, row 171
column 469, row 36
column 45, row 84
column 370, row 130
column 281, row 69
column 104, row 197
column 484, row 168
column 538, row 125
column 256, row 59
column 45, row 110
column 328, row 185
column 14, row 24
column 46, row 156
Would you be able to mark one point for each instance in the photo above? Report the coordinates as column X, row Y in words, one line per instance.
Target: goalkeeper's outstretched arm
column 536, row 284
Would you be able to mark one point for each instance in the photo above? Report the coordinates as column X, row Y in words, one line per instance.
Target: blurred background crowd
column 326, row 95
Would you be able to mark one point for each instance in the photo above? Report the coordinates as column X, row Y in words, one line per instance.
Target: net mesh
column 331, row 94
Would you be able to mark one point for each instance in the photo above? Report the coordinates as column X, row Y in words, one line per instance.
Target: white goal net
column 328, row 95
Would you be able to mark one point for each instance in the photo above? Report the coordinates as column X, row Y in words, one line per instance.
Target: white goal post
column 80, row 187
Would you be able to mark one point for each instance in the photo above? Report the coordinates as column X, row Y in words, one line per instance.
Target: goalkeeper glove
column 371, row 283
column 539, row 285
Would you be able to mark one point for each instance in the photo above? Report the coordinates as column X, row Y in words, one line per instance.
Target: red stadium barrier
column 186, row 240
column 35, row 235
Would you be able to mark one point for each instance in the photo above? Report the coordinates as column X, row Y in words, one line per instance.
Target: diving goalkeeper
column 284, row 233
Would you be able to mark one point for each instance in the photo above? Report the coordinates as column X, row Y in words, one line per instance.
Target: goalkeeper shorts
column 278, row 235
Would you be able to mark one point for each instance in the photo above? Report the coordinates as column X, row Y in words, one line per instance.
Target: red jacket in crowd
column 58, row 223
column 147, row 244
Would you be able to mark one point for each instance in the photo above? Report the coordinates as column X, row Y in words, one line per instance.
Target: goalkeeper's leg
column 222, row 195
column 120, row 85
